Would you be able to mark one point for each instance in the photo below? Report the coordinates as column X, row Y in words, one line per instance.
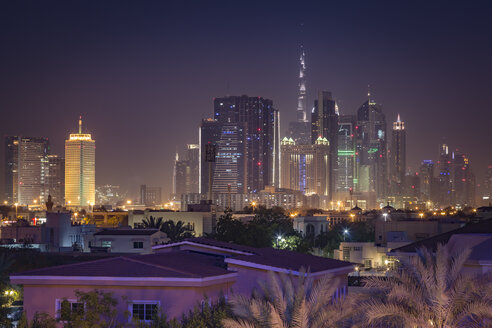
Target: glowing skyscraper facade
column 80, row 169
column 299, row 129
column 398, row 157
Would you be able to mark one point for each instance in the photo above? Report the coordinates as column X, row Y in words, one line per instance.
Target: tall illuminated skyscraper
column 371, row 150
column 80, row 169
column 398, row 157
column 306, row 168
column 346, row 154
column 23, row 173
column 299, row 129
column 324, row 124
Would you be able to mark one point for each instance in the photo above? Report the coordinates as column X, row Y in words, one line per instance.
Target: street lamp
column 16, row 204
column 345, row 233
column 385, row 215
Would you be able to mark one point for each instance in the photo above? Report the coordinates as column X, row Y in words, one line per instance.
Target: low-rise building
column 477, row 236
column 174, row 279
column 199, row 222
column 412, row 229
column 367, row 254
column 127, row 240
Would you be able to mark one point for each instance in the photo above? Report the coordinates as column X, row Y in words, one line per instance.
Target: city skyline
column 421, row 97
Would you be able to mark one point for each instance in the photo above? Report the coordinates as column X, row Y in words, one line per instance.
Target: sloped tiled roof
column 432, row 242
column 290, row 260
column 172, row 264
column 222, row 244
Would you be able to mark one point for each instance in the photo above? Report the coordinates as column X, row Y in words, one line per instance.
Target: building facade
column 398, row 157
column 80, row 169
column 306, row 168
column 24, row 174
column 54, row 172
column 324, row 123
column 186, row 171
column 299, row 130
column 371, row 151
column 346, row 155
column 150, row 196
column 245, row 132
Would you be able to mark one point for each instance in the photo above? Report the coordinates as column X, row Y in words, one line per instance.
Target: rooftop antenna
column 80, row 124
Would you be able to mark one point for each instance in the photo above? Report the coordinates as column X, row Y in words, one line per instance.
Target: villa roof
column 126, row 232
column 269, row 258
column 212, row 242
column 163, row 265
column 432, row 242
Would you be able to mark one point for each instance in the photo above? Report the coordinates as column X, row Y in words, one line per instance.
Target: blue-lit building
column 306, row 168
column 245, row 131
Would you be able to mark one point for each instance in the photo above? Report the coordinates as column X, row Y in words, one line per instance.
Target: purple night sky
column 143, row 73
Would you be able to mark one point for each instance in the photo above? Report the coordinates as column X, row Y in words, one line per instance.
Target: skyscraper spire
column 302, row 101
column 80, row 124
column 398, row 118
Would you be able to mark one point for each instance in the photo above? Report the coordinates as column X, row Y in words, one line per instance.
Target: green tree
column 99, row 310
column 228, row 229
column 176, row 231
column 43, row 320
column 152, row 223
column 430, row 291
column 23, row 322
column 285, row 302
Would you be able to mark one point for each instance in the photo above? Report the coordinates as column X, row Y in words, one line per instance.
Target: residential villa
column 175, row 277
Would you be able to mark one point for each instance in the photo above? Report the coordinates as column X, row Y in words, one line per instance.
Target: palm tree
column 430, row 291
column 176, row 231
column 152, row 223
column 286, row 303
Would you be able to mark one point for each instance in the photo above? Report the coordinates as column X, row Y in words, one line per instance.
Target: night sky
column 143, row 73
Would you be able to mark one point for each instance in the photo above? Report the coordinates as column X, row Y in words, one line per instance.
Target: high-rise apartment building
column 306, row 168
column 150, row 196
column 324, row 124
column 54, row 179
column 487, row 186
column 208, row 134
column 186, row 171
column 80, row 169
column 444, row 179
column 346, row 154
column 463, row 181
column 245, row 131
column 398, row 157
column 11, row 168
column 426, row 174
column 299, row 129
column 371, row 150
column 24, row 174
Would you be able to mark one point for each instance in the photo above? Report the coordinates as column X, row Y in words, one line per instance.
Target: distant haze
column 143, row 73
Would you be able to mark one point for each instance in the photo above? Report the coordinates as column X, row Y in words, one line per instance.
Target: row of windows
column 139, row 310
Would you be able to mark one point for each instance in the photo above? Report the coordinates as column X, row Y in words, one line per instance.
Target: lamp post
column 345, row 233
column 16, row 204
column 278, row 240
column 385, row 215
